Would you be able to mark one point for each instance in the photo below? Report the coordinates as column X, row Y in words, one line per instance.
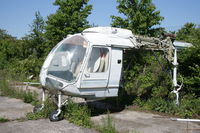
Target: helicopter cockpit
column 68, row 58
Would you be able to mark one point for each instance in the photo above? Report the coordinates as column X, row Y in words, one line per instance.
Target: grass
column 26, row 96
column 77, row 114
column 49, row 107
column 108, row 126
column 2, row 120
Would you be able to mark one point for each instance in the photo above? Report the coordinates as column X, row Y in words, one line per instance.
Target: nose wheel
column 55, row 116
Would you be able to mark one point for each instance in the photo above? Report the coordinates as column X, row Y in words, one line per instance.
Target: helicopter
column 89, row 64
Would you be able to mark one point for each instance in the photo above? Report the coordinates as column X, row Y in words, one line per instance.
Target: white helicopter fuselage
column 88, row 64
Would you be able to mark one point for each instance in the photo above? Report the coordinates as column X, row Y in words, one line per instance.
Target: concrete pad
column 42, row 126
column 133, row 121
column 12, row 108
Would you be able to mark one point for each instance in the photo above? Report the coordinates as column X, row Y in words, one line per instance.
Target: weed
column 49, row 106
column 74, row 113
column 108, row 126
column 26, row 96
column 3, row 120
column 77, row 114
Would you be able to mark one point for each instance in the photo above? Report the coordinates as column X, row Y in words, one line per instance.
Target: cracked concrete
column 133, row 121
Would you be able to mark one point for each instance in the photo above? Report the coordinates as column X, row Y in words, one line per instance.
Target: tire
column 37, row 108
column 53, row 116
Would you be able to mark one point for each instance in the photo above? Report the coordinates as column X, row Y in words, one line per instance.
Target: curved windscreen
column 68, row 58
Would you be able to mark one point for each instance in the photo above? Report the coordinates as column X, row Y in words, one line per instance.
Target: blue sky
column 17, row 15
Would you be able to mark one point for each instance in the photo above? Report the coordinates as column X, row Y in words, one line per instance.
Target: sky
column 17, row 15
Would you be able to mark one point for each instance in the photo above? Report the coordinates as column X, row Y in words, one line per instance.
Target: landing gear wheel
column 37, row 108
column 54, row 118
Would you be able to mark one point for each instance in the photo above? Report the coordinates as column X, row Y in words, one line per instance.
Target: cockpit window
column 68, row 58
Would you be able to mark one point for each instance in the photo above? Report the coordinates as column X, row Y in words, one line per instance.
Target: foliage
column 4, row 35
column 26, row 53
column 3, row 120
column 140, row 16
column 107, row 126
column 28, row 66
column 144, row 77
column 26, row 96
column 70, row 18
column 77, row 114
column 10, row 49
column 49, row 107
column 34, row 41
column 189, row 58
column 73, row 112
column 159, row 97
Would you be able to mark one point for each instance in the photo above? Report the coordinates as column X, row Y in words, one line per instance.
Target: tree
column 10, row 48
column 70, row 18
column 185, row 32
column 190, row 58
column 4, row 35
column 140, row 16
column 33, row 42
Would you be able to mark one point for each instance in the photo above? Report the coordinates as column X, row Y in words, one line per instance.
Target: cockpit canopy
column 68, row 58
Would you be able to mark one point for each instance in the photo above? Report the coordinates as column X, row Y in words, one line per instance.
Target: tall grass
column 7, row 90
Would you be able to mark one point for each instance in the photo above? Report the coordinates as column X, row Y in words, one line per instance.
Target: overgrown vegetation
column 148, row 84
column 49, row 107
column 2, row 120
column 26, row 95
column 77, row 114
column 74, row 113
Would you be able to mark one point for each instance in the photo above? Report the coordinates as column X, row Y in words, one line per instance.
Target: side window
column 99, row 60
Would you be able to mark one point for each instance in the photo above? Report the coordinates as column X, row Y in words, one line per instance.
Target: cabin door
column 96, row 73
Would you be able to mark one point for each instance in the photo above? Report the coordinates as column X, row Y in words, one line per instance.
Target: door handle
column 87, row 75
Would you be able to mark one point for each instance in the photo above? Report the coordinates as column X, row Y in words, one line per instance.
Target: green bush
column 189, row 106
